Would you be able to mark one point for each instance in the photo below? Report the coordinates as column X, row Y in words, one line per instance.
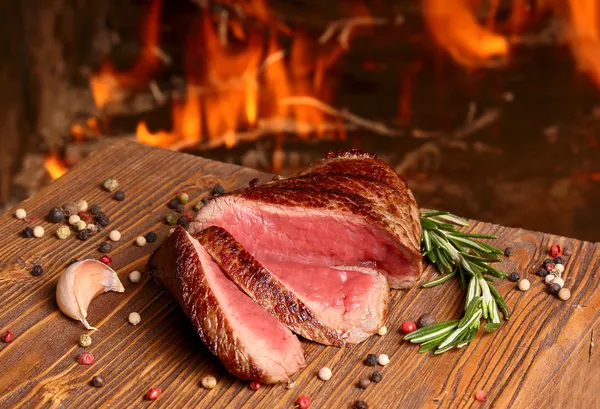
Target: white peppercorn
column 135, row 276
column 73, row 219
column 209, row 382
column 82, row 206
column 382, row 331
column 558, row 269
column 115, row 235
column 38, row 231
column 325, row 374
column 20, row 214
column 110, row 184
column 383, row 359
column 134, row 318
column 559, row 281
column 63, row 232
column 140, row 241
column 80, row 225
column 549, row 278
column 524, row 284
column 564, row 294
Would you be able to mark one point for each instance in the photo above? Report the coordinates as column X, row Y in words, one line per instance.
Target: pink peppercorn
column 86, row 358
column 480, row 396
column 556, row 251
column 408, row 326
column 255, row 385
column 153, row 393
column 303, row 402
column 549, row 267
column 8, row 337
column 106, row 259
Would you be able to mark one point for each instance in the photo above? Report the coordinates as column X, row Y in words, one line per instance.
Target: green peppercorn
column 171, row 219
column 183, row 198
column 119, row 195
column 63, row 232
column 85, row 340
column 198, row 206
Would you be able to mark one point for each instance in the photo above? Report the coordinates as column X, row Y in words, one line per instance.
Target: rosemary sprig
column 456, row 253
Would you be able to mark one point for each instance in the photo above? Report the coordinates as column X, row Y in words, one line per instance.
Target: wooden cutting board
column 544, row 357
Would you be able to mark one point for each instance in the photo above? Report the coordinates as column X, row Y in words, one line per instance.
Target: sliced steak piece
column 249, row 342
column 350, row 209
column 327, row 305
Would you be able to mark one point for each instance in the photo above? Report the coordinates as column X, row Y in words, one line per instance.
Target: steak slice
column 249, row 342
column 350, row 209
column 328, row 305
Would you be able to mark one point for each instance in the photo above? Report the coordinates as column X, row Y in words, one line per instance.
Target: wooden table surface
column 544, row 357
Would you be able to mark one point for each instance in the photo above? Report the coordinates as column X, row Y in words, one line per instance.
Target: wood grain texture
column 540, row 359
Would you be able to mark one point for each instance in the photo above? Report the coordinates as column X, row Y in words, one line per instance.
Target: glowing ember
column 584, row 38
column 54, row 165
column 454, row 26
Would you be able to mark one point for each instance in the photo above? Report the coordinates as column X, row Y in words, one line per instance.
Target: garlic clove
column 80, row 283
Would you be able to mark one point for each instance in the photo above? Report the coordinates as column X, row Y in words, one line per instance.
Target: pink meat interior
column 268, row 341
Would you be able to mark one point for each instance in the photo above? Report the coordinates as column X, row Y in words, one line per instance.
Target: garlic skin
column 80, row 283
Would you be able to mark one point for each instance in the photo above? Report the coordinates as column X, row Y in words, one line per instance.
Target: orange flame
column 454, row 26
column 584, row 16
column 54, row 166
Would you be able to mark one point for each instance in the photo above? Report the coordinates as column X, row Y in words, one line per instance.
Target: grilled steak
column 350, row 209
column 327, row 305
column 249, row 342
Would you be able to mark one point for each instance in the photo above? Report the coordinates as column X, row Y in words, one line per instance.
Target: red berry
column 255, row 385
column 556, row 251
column 408, row 326
column 303, row 402
column 8, row 336
column 106, row 259
column 153, row 393
column 480, row 396
column 86, row 358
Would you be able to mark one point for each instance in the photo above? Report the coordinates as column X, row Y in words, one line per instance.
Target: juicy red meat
column 249, row 342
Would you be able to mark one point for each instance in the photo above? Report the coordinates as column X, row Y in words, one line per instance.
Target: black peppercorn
column 554, row 288
column 547, row 261
column 173, row 204
column 559, row 260
column 98, row 381
column 73, row 261
column 27, row 232
column 105, row 247
column 56, row 215
column 509, row 251
column 151, row 237
column 514, row 277
column 180, row 208
column 218, row 190
column 95, row 209
column 37, row 270
column 376, row 376
column 425, row 320
column 83, row 234
column 253, row 182
column 542, row 272
column 371, row 360
column 183, row 221
column 360, row 404
column 102, row 219
column 119, row 195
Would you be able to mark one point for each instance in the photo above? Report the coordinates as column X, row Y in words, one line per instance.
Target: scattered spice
column 371, row 360
column 183, row 221
column 171, row 219
column 119, row 195
column 183, row 198
column 7, row 337
column 80, row 225
column 37, row 270
column 134, row 318
column 110, row 184
column 153, row 394
column 83, row 235
column 564, row 294
column 360, row 404
column 114, row 235
column 86, row 358
column 209, row 382
column 509, row 251
column 542, row 272
column 426, row 320
column 140, row 241
column 135, row 276
column 255, row 385
column 20, row 214
column 105, row 247
column 382, row 331
column 554, row 288
column 558, row 260
column 514, row 277
column 556, row 251
column 27, row 232
column 376, row 376
column 218, row 190
column 383, row 359
column 480, row 396
column 151, row 237
column 74, row 219
column 408, row 327
column 106, row 259
column 102, row 219
column 38, row 231
column 524, row 284
column 98, row 381
column 85, row 340
column 325, row 374
column 63, row 232
column 303, row 402
column 56, row 215
column 364, row 382
column 95, row 209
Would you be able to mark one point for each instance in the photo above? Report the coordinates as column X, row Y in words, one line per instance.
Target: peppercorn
column 37, row 270
column 255, row 385
column 106, row 259
column 558, row 269
column 114, row 235
column 98, row 381
column 105, row 247
column 74, row 219
column 183, row 221
column 20, row 214
column 303, row 402
column 325, row 374
column 383, row 359
column 180, row 208
column 205, row 200
column 376, row 376
column 514, row 277
column 209, row 382
column 382, row 331
column 360, row 404
column 27, row 232
column 364, row 382
column 151, row 237
column 558, row 260
column 85, row 216
column 102, row 219
column 564, row 294
column 524, row 284
column 218, row 190
column 171, row 219
column 371, row 360
column 63, row 232
column 119, row 195
column 549, row 278
column 7, row 337
column 135, row 276
column 509, row 251
column 38, row 231
column 555, row 251
column 542, row 272
column 173, row 203
column 110, row 184
column 95, row 209
column 140, row 241
column 426, row 320
column 56, row 215
column 549, row 267
column 554, row 288
column 80, row 225
column 86, row 358
column 198, row 206
column 408, row 326
column 546, row 261
column 253, row 182
column 559, row 281
column 183, row 198
column 480, row 396
column 134, row 318
column 85, row 340
column 92, row 228
column 83, row 235
column 153, row 394
column 72, row 261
